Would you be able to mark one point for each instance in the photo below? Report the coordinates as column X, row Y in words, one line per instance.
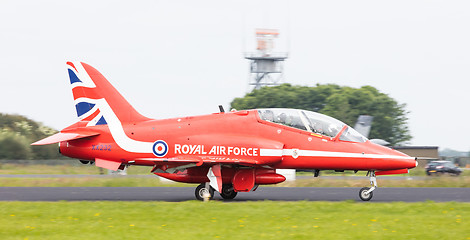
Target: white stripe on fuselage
column 117, row 131
column 313, row 153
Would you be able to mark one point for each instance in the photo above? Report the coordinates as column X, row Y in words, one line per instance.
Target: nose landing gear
column 366, row 193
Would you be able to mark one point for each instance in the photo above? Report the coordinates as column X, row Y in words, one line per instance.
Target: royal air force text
column 215, row 150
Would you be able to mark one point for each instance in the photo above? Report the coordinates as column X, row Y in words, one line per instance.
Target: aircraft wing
column 214, row 162
column 61, row 137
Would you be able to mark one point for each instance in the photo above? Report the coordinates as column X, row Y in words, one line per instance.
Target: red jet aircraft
column 227, row 152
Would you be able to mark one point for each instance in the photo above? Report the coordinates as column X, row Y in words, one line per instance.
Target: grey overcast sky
column 179, row 58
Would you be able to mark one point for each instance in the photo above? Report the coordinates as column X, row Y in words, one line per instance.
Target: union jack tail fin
column 96, row 100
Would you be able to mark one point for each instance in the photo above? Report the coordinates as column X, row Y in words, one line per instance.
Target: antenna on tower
column 266, row 66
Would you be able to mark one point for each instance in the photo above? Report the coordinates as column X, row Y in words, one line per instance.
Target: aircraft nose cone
column 404, row 161
column 412, row 163
column 408, row 161
column 393, row 159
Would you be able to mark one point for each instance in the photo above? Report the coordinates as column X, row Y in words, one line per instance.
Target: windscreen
column 351, row 135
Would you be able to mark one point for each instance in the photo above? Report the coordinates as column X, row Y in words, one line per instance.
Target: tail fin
column 96, row 100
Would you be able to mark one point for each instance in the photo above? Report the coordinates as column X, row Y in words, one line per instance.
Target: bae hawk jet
column 227, row 152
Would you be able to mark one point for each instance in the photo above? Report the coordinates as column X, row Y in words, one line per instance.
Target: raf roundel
column 160, row 148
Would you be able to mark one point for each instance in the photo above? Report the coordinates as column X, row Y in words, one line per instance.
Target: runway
column 178, row 194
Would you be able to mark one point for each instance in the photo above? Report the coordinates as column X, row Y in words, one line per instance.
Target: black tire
column 201, row 189
column 228, row 192
column 363, row 195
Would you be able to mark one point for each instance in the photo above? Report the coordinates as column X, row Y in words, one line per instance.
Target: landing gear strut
column 366, row 193
column 202, row 190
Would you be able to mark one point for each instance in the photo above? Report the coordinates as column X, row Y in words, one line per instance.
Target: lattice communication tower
column 266, row 66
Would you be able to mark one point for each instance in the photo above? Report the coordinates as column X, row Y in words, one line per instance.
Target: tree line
column 18, row 132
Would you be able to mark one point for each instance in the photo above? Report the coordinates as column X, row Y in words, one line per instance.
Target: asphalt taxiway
column 177, row 194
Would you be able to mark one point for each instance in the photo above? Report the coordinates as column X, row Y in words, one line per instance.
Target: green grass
column 242, row 220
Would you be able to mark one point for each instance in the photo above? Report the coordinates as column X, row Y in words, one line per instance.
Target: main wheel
column 201, row 190
column 228, row 192
column 365, row 196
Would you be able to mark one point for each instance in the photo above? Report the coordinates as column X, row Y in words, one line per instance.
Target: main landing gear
column 228, row 192
column 204, row 189
column 366, row 193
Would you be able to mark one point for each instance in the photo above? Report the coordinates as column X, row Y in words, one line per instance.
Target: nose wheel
column 366, row 193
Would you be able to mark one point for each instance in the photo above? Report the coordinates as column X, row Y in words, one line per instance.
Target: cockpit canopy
column 311, row 122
